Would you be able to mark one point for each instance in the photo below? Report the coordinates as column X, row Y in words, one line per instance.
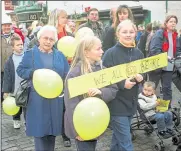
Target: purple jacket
column 108, row 94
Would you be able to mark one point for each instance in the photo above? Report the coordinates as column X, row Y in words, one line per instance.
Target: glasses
column 47, row 38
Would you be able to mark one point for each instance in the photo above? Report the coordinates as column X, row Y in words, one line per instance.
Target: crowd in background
column 135, row 42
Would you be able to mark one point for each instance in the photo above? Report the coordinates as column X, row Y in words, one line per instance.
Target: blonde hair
column 125, row 23
column 84, row 45
column 54, row 17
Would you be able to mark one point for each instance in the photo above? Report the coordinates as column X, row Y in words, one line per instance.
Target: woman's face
column 171, row 24
column 126, row 34
column 95, row 53
column 47, row 40
column 62, row 19
column 123, row 15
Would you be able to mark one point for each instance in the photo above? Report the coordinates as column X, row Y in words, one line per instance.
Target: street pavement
column 16, row 140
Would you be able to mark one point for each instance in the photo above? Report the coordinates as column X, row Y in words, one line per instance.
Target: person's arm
column 70, row 105
column 66, row 67
column 156, row 43
column 109, row 92
column 25, row 69
column 7, row 85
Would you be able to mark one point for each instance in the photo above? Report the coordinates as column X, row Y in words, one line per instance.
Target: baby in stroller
column 147, row 102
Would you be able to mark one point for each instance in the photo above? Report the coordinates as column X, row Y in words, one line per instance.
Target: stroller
column 176, row 77
column 149, row 128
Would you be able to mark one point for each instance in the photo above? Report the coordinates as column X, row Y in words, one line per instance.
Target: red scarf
column 165, row 45
column 62, row 33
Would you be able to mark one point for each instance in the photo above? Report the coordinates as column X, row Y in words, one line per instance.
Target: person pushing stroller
column 148, row 101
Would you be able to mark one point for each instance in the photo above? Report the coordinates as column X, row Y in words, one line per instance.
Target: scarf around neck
column 165, row 45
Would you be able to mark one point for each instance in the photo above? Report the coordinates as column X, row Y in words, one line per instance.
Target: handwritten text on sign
column 80, row 85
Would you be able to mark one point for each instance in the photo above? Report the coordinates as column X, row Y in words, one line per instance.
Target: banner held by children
column 80, row 85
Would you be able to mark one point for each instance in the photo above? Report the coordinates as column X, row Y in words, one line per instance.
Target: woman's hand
column 5, row 95
column 94, row 91
column 79, row 138
column 139, row 78
column 129, row 84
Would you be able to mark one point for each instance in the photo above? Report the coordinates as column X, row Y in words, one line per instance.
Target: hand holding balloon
column 91, row 118
column 79, row 138
column 9, row 106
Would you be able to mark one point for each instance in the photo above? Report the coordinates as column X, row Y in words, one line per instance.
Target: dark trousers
column 86, row 145
column 46, row 143
column 63, row 128
column 166, row 81
column 2, row 74
column 18, row 115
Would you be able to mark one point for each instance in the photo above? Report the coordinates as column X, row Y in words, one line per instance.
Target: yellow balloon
column 47, row 83
column 67, row 45
column 82, row 32
column 9, row 106
column 91, row 118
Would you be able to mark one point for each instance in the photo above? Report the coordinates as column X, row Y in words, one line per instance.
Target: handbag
column 22, row 94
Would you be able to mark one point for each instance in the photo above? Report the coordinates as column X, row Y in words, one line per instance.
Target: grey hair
column 47, row 28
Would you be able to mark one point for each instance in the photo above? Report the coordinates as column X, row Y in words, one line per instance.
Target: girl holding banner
column 165, row 40
column 87, row 59
column 124, row 106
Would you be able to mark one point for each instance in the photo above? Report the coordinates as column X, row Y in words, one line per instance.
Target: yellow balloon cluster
column 67, row 45
column 47, row 83
column 82, row 32
column 91, row 118
column 9, row 106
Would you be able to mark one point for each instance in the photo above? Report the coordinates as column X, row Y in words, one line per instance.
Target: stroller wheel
column 175, row 140
column 176, row 118
column 133, row 136
column 159, row 147
column 148, row 130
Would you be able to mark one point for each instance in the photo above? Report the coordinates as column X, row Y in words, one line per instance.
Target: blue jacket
column 43, row 116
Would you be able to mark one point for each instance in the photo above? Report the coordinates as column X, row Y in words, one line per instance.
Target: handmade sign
column 163, row 105
column 80, row 85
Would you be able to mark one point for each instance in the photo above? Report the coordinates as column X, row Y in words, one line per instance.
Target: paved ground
column 16, row 140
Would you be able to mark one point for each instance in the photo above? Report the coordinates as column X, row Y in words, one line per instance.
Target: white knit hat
column 6, row 20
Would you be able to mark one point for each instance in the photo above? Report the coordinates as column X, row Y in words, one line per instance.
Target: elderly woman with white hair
column 43, row 116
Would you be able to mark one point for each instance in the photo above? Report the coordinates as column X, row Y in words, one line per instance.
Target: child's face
column 18, row 46
column 95, row 53
column 127, row 35
column 148, row 91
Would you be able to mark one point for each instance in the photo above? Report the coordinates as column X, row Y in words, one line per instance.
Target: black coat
column 9, row 76
column 142, row 42
column 125, row 103
column 109, row 39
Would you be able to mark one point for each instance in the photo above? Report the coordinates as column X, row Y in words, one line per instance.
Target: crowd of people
column 25, row 50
